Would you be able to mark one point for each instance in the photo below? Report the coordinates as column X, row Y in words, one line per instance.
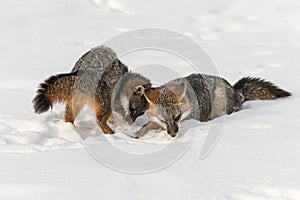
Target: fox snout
column 172, row 128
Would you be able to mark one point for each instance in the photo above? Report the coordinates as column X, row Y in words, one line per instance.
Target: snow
column 42, row 157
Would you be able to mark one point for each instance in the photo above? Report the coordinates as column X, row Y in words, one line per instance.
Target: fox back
column 97, row 58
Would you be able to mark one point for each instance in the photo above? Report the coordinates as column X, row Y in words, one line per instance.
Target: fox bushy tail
column 256, row 88
column 57, row 88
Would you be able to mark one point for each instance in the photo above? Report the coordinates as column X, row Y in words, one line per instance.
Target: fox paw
column 110, row 132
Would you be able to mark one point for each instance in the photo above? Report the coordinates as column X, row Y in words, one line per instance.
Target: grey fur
column 99, row 58
column 215, row 96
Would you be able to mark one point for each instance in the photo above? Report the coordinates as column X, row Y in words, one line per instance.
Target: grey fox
column 91, row 82
column 198, row 96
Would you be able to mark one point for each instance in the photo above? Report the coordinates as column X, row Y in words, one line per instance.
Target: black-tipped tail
column 41, row 103
column 256, row 88
column 54, row 89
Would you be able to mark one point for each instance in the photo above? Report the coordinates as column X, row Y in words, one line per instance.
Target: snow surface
column 257, row 156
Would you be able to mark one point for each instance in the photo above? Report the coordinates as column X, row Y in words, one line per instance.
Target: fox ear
column 151, row 95
column 179, row 90
column 139, row 90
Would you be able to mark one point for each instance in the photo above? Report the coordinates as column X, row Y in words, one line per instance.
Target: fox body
column 199, row 96
column 91, row 82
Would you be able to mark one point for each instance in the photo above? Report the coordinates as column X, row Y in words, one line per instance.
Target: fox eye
column 178, row 117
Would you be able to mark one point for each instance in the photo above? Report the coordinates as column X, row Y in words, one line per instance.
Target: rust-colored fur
column 153, row 94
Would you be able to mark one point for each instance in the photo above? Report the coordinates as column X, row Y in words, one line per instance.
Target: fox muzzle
column 172, row 128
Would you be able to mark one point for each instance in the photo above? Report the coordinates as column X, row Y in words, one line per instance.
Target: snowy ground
column 257, row 157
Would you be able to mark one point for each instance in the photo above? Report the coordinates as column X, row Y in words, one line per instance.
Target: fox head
column 138, row 103
column 165, row 105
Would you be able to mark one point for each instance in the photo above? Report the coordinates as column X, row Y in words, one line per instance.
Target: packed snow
column 257, row 155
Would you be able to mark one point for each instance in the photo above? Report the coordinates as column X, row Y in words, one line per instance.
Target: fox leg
column 102, row 122
column 102, row 116
column 69, row 117
column 146, row 128
column 73, row 107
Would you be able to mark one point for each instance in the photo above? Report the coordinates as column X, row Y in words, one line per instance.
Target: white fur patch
column 125, row 103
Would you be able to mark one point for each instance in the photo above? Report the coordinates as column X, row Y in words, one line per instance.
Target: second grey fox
column 91, row 82
column 198, row 96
